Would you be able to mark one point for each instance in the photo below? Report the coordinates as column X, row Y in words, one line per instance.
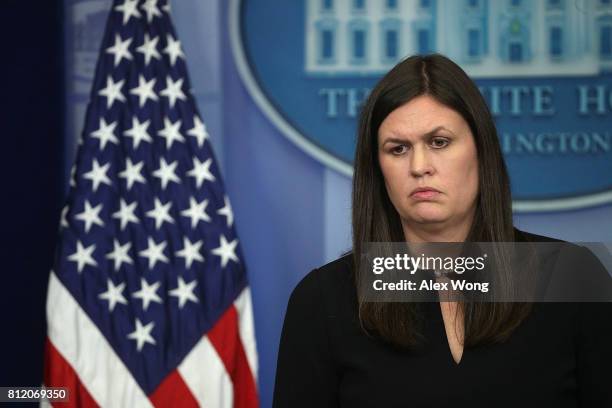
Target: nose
column 420, row 163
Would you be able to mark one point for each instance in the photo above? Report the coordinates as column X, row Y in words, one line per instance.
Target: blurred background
column 279, row 86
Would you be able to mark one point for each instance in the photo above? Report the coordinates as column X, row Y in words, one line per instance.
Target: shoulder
column 549, row 249
column 577, row 267
column 524, row 236
column 562, row 252
column 557, row 246
column 327, row 276
column 325, row 286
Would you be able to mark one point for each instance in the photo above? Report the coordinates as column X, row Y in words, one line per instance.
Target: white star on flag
column 147, row 293
column 63, row 220
column 184, row 292
column 113, row 294
column 196, row 211
column 105, row 133
column 144, row 90
column 173, row 91
column 160, row 213
column 173, row 49
column 119, row 254
column 131, row 174
column 129, row 9
column 97, row 174
column 73, row 175
column 154, row 252
column 191, row 252
column 227, row 212
column 149, row 48
column 226, row 250
column 201, row 171
column 165, row 173
column 142, row 334
column 150, row 8
column 126, row 213
column 198, row 131
column 112, row 92
column 83, row 257
column 171, row 132
column 120, row 50
column 90, row 216
column 139, row 131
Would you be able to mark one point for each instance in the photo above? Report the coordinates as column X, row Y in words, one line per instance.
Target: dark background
column 32, row 128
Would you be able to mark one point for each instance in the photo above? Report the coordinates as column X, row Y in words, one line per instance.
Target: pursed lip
column 422, row 189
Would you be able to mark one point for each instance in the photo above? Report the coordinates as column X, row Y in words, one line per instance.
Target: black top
column 560, row 356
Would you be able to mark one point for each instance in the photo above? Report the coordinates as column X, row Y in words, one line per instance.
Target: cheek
column 471, row 189
column 394, row 182
column 465, row 177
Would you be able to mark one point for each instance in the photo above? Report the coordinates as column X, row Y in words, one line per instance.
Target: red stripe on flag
column 225, row 337
column 59, row 373
column 173, row 392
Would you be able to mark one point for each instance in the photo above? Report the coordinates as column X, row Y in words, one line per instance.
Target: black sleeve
column 305, row 372
column 594, row 344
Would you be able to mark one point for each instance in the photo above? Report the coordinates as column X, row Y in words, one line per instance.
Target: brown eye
column 439, row 142
column 399, row 150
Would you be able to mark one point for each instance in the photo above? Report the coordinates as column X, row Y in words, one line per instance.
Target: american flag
column 148, row 301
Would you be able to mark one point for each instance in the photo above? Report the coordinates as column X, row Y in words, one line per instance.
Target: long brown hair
column 374, row 218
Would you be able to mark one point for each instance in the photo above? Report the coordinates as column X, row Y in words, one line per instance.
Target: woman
column 428, row 168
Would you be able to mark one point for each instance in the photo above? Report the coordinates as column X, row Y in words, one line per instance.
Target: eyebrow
column 425, row 135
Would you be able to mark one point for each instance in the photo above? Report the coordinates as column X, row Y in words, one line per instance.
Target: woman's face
column 424, row 144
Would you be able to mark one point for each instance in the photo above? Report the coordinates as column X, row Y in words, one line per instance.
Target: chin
column 428, row 214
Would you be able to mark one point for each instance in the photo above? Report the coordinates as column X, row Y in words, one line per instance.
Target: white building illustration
column 489, row 38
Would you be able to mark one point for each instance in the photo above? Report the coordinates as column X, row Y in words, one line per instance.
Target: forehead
column 420, row 115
